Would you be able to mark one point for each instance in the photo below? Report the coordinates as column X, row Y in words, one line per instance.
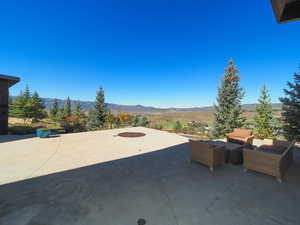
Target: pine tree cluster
column 28, row 106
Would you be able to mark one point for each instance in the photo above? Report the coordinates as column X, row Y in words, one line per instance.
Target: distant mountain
column 87, row 105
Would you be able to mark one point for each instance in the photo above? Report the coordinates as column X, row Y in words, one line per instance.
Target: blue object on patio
column 43, row 133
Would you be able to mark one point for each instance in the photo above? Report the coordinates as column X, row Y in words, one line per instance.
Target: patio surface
column 98, row 178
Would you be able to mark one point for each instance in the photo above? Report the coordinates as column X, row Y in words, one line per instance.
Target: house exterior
column 5, row 83
column 286, row 10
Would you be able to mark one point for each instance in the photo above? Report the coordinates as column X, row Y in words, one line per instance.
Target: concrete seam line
column 168, row 200
column 51, row 156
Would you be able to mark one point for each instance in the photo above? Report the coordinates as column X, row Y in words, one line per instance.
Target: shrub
column 73, row 124
column 140, row 121
column 197, row 126
column 177, row 126
column 21, row 129
column 158, row 126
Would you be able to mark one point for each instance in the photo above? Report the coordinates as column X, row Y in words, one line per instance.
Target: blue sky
column 159, row 53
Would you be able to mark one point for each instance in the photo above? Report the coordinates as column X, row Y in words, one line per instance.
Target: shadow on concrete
column 9, row 138
column 162, row 186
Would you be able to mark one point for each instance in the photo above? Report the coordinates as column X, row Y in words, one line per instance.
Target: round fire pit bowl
column 131, row 134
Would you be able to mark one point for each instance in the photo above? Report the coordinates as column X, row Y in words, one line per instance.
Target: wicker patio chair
column 207, row 154
column 271, row 160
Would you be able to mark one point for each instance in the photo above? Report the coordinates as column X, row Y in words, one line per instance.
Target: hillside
column 87, row 105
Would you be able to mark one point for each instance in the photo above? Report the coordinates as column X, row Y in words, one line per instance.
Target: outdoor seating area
column 85, row 178
column 150, row 113
column 273, row 160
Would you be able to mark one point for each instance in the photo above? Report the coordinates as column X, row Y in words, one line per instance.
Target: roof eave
column 12, row 80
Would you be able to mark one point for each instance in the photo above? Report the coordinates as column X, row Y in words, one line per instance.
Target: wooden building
column 5, row 83
column 286, row 10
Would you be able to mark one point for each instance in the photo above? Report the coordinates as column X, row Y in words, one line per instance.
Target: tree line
column 27, row 105
column 72, row 117
column 228, row 113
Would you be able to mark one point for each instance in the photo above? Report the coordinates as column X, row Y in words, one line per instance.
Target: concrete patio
column 98, row 178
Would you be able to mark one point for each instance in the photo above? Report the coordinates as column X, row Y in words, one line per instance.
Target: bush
column 21, row 129
column 158, row 126
column 177, row 126
column 140, row 121
column 73, row 124
column 197, row 126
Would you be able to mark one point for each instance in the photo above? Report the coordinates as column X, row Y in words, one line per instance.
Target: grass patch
column 30, row 128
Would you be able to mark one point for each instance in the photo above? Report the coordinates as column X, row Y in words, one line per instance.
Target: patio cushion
column 237, row 137
column 279, row 150
column 242, row 132
column 214, row 144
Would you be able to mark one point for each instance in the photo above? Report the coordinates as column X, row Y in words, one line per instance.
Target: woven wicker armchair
column 272, row 160
column 240, row 136
column 207, row 154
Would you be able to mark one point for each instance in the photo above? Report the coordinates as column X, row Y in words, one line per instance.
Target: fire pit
column 131, row 134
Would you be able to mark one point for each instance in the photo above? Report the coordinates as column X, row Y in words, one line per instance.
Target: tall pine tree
column 17, row 107
column 28, row 106
column 78, row 111
column 228, row 111
column 291, row 109
column 98, row 116
column 68, row 107
column 264, row 115
column 37, row 107
column 27, row 93
column 54, row 111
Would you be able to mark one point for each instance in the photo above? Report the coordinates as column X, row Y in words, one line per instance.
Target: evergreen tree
column 98, row 116
column 61, row 114
column 54, row 110
column 264, row 115
column 17, row 107
column 291, row 109
column 22, row 106
column 37, row 107
column 28, row 106
column 78, row 112
column 68, row 107
column 92, row 123
column 27, row 93
column 228, row 111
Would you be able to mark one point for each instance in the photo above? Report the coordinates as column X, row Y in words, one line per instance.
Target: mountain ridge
column 87, row 105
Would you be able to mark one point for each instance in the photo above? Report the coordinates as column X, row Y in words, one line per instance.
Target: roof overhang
column 286, row 10
column 10, row 79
